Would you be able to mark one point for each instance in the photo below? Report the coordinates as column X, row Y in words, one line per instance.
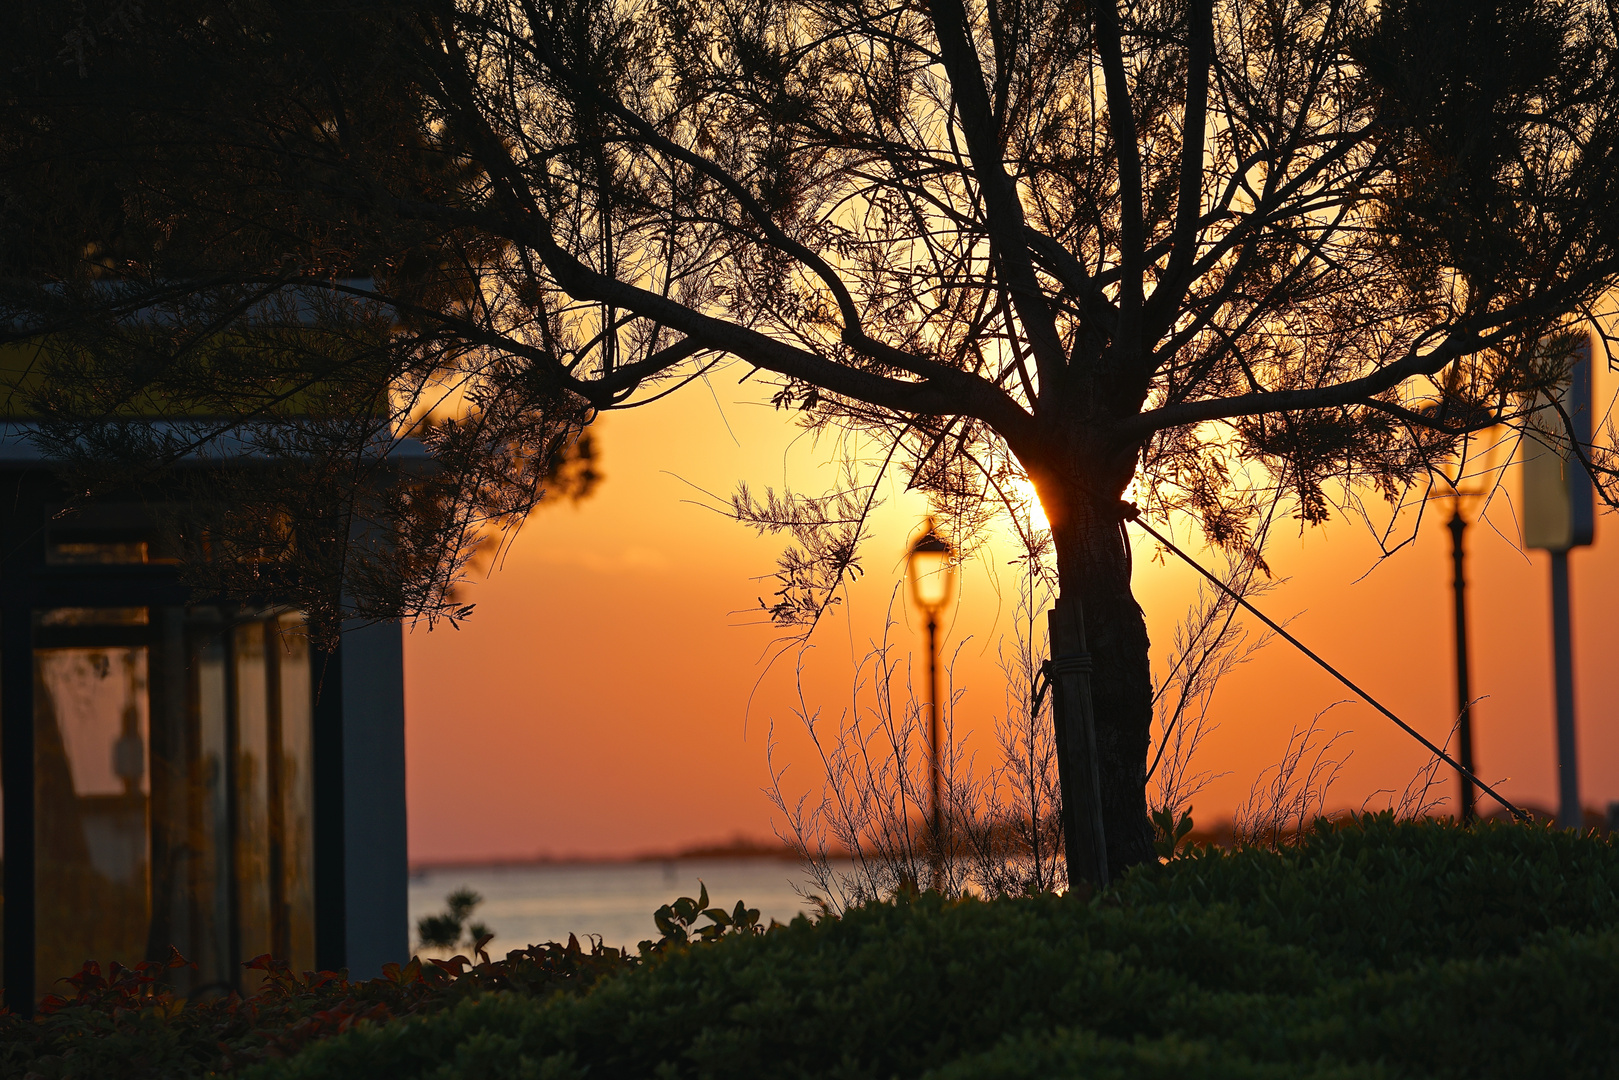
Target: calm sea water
column 525, row 905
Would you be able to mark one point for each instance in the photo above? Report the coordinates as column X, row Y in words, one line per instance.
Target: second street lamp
column 1468, row 492
column 931, row 568
column 1464, row 693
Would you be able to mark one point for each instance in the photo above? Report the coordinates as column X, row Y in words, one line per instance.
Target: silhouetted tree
column 1204, row 249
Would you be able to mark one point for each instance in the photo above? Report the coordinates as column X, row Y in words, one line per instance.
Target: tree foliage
column 1203, row 253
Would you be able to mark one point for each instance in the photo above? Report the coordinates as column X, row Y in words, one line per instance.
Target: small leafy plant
column 674, row 922
column 1169, row 832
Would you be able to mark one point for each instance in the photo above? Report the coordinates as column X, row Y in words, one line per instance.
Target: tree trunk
column 1093, row 566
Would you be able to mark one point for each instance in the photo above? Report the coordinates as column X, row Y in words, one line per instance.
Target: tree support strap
column 1074, row 728
column 1059, row 665
column 1131, row 512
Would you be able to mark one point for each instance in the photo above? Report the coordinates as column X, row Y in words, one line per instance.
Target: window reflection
column 296, row 786
column 211, row 892
column 172, row 791
column 252, row 792
column 97, row 552
column 93, row 616
column 90, row 792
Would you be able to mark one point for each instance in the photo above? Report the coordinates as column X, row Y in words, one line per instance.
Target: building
column 176, row 772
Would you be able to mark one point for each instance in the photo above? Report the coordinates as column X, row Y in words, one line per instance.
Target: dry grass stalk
column 1209, row 644
column 869, row 834
column 1290, row 795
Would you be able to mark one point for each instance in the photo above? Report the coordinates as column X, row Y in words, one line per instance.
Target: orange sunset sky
column 611, row 696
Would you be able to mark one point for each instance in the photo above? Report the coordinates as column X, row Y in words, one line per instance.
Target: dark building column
column 361, row 862
column 331, row 910
column 376, row 862
column 17, row 775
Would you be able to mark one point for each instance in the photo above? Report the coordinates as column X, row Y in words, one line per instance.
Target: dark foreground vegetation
column 1369, row 949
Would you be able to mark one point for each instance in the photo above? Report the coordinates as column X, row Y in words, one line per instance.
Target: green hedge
column 1371, row 949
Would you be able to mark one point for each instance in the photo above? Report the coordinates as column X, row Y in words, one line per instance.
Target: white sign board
column 1557, row 500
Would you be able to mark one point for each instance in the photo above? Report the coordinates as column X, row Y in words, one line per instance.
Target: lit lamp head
column 932, row 570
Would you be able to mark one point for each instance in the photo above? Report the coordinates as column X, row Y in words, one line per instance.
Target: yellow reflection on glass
column 97, row 553
column 293, row 839
column 93, row 616
column 253, row 877
column 91, row 791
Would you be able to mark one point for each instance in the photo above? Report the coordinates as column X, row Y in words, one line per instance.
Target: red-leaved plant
column 129, row 1023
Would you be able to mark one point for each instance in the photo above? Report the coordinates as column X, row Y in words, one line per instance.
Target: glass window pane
column 252, row 795
column 169, row 743
column 297, row 794
column 96, row 552
column 90, row 808
column 93, row 616
column 174, row 793
column 210, row 821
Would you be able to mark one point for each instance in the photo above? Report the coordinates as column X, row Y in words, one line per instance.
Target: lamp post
column 1467, row 492
column 1464, row 693
column 930, row 566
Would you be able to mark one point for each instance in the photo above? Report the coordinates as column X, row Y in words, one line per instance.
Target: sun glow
column 1028, row 503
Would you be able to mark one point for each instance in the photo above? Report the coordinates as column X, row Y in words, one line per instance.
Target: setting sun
column 1029, row 503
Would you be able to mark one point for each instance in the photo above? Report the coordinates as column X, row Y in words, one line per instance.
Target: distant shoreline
column 736, row 849
column 1218, row 834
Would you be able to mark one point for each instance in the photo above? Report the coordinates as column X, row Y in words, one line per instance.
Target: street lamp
column 1464, row 692
column 1460, row 497
column 1467, row 492
column 931, row 568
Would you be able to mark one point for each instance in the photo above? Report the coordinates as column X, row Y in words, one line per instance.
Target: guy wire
column 1133, row 513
